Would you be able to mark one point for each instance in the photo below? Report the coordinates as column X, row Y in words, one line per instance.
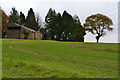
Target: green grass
column 73, row 63
column 0, row 59
column 103, row 46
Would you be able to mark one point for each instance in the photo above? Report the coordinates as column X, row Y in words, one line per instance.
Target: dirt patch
column 31, row 52
column 84, row 46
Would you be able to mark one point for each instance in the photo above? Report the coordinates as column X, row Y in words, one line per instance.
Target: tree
column 67, row 26
column 31, row 20
column 57, row 26
column 49, row 19
column 14, row 16
column 50, row 15
column 22, row 19
column 39, row 22
column 97, row 24
column 26, row 34
column 78, row 30
column 3, row 23
column 4, row 19
column 64, row 27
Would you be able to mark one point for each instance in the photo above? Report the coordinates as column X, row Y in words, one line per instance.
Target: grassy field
column 53, row 59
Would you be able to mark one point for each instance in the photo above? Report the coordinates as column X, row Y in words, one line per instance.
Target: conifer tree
column 49, row 19
column 64, row 27
column 14, row 16
column 31, row 20
column 22, row 18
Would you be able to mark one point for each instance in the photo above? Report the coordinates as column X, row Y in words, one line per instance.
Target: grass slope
column 74, row 62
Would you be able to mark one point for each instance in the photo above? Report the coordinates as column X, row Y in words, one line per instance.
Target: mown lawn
column 58, row 59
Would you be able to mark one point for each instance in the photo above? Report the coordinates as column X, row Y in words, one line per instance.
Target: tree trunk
column 97, row 37
column 97, row 40
column 58, row 38
column 52, row 37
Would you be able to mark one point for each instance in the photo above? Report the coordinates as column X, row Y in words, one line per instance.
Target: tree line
column 31, row 20
column 63, row 27
column 60, row 27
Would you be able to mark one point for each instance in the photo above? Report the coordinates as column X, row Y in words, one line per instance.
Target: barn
column 16, row 31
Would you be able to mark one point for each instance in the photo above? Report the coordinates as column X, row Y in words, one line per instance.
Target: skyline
column 81, row 9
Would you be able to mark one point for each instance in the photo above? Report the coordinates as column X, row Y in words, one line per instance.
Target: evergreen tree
column 78, row 31
column 50, row 15
column 58, row 27
column 68, row 25
column 65, row 27
column 49, row 19
column 31, row 20
column 22, row 18
column 14, row 16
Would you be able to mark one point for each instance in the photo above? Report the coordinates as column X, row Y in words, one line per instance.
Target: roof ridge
column 22, row 26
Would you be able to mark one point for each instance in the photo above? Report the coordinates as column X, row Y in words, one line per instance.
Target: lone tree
column 97, row 24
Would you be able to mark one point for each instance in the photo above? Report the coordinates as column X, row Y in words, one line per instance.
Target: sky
column 73, row 7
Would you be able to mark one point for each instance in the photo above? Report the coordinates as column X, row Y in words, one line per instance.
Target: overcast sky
column 78, row 7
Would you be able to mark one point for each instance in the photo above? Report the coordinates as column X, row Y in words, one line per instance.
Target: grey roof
column 12, row 24
column 28, row 29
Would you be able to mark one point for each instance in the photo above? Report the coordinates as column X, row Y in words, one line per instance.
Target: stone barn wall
column 38, row 35
column 13, row 34
column 17, row 31
column 32, row 34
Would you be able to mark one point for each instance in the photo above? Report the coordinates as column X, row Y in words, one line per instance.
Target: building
column 16, row 31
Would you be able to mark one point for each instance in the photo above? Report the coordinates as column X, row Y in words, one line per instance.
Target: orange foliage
column 4, row 19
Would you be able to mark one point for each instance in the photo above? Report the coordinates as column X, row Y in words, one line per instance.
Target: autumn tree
column 4, row 19
column 97, row 24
